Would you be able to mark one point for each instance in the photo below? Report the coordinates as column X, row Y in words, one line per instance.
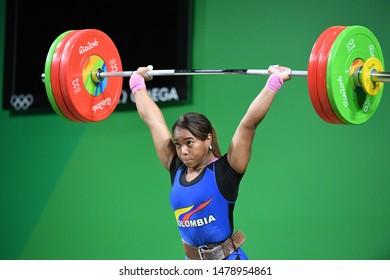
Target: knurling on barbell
column 83, row 75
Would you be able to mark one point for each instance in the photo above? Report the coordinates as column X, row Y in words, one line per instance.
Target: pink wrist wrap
column 274, row 83
column 136, row 82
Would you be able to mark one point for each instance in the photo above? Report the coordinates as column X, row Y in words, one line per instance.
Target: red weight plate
column 321, row 75
column 54, row 78
column 312, row 73
column 82, row 51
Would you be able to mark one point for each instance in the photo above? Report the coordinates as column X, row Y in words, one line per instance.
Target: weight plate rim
column 321, row 75
column 55, row 78
column 48, row 77
column 312, row 74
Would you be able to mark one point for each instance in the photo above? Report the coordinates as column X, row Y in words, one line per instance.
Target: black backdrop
column 144, row 32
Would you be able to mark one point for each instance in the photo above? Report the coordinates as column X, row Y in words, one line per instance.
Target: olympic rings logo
column 21, row 101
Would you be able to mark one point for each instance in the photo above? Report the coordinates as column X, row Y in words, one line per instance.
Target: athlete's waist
column 217, row 251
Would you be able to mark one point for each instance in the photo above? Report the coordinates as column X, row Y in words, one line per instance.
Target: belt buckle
column 200, row 248
column 213, row 253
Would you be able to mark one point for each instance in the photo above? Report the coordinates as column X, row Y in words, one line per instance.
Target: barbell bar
column 99, row 75
column 345, row 75
column 193, row 72
column 383, row 77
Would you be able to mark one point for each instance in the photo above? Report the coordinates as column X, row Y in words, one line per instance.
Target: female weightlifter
column 205, row 182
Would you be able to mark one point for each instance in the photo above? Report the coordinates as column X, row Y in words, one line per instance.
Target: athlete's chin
column 188, row 162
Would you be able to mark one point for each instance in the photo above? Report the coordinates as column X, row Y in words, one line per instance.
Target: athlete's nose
column 184, row 149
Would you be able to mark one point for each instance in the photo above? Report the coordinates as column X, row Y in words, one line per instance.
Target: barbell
column 83, row 75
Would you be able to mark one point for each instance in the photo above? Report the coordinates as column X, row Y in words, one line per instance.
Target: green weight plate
column 348, row 101
column 48, row 65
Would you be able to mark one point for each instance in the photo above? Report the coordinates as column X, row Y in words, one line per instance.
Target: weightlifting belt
column 217, row 251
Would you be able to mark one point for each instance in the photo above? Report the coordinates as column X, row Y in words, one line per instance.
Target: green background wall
column 312, row 191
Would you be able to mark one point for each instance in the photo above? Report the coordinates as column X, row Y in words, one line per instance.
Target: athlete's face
column 192, row 151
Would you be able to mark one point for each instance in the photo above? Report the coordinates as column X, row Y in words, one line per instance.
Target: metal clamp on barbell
column 370, row 76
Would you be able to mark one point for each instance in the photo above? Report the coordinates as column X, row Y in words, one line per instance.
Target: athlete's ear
column 209, row 137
